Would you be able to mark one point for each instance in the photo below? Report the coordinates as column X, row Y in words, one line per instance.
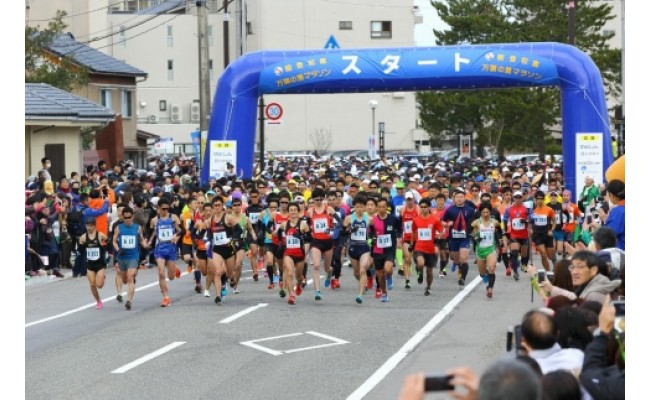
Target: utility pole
column 261, row 119
column 572, row 22
column 226, row 37
column 204, row 73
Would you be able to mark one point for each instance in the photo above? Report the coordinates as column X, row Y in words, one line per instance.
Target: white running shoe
column 206, row 293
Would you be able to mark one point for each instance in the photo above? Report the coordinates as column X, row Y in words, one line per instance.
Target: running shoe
column 188, row 269
column 453, row 267
column 420, row 277
column 128, row 306
column 58, row 274
column 303, row 283
column 489, row 293
column 524, row 268
column 378, row 293
column 317, row 295
column 206, row 293
column 485, row 278
column 298, row 290
column 224, row 291
column 508, row 271
column 118, row 298
column 178, row 273
column 166, row 302
column 276, row 278
column 400, row 271
column 271, row 286
column 197, row 289
column 369, row 284
column 389, row 282
column 328, row 280
column 461, row 283
column 235, row 291
column 255, row 277
column 407, row 285
column 441, row 274
column 427, row 292
column 359, row 299
column 99, row 305
column 292, row 299
column 217, row 301
column 282, row 293
column 336, row 284
column 516, row 275
column 384, row 298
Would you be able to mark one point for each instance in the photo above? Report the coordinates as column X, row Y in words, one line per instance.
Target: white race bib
column 220, row 239
column 128, row 242
column 320, row 225
column 254, row 217
column 384, row 241
column 458, row 234
column 408, row 227
column 558, row 218
column 92, row 253
column 539, row 220
column 487, row 237
column 293, row 242
column 165, row 234
column 359, row 234
column 398, row 210
column 518, row 224
column 424, row 234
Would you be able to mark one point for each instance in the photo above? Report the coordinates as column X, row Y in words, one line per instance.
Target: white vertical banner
column 465, row 146
column 222, row 152
column 589, row 159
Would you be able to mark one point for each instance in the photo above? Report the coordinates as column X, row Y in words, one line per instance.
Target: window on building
column 122, row 37
column 131, row 5
column 106, row 96
column 153, row 3
column 609, row 32
column 170, row 36
column 210, row 36
column 345, row 25
column 249, row 28
column 170, row 70
column 381, row 29
column 127, row 104
column 210, row 69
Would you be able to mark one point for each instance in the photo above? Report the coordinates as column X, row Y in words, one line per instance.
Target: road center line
column 409, row 346
column 146, row 358
column 242, row 313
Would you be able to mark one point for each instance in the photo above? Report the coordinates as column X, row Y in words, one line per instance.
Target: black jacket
column 602, row 381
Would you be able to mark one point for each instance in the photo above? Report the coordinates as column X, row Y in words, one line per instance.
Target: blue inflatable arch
column 584, row 109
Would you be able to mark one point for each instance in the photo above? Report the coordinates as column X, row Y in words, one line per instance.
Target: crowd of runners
column 300, row 217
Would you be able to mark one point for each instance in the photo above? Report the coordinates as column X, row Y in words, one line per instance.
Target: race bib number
column 384, row 241
column 320, row 225
column 398, row 210
column 539, row 220
column 558, row 218
column 458, row 234
column 293, row 242
column 128, row 242
column 518, row 224
column 220, row 239
column 408, row 227
column 424, row 234
column 92, row 253
column 165, row 234
column 487, row 238
column 359, row 234
column 254, row 217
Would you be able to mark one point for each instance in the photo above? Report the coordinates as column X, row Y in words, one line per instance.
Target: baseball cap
column 517, row 193
column 292, row 182
column 417, row 176
column 409, row 195
column 399, row 185
column 516, row 175
column 90, row 221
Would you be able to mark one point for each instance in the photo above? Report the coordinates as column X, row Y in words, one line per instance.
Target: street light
column 373, row 106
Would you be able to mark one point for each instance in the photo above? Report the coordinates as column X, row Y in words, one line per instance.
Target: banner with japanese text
column 222, row 152
column 589, row 159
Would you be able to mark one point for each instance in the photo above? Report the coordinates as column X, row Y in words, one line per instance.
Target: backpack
column 75, row 221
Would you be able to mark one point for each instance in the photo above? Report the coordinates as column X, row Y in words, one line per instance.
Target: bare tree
column 321, row 139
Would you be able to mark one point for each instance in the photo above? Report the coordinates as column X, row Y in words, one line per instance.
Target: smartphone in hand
column 437, row 383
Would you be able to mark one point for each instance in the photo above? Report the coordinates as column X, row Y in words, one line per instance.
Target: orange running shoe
column 298, row 290
column 166, row 302
column 292, row 300
column 178, row 272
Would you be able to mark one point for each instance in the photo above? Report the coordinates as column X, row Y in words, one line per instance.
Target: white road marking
column 419, row 336
column 146, row 358
column 242, row 313
column 253, row 343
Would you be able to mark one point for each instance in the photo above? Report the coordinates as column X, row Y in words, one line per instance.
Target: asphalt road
column 257, row 346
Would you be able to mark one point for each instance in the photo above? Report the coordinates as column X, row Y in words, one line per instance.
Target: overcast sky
column 423, row 31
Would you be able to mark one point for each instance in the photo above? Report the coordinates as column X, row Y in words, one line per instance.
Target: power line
column 76, row 15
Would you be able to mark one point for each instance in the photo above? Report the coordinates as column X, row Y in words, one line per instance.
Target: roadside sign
column 273, row 113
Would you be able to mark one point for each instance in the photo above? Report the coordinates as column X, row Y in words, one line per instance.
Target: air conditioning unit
column 398, row 95
column 177, row 113
column 153, row 119
column 195, row 112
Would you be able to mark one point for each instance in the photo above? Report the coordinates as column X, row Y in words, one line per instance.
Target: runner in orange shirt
column 542, row 220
